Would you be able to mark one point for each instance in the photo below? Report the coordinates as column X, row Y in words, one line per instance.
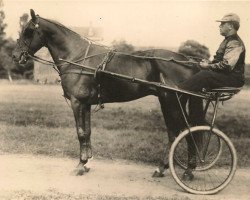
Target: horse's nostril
column 14, row 57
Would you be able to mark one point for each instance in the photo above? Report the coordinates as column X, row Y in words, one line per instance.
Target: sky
column 155, row 23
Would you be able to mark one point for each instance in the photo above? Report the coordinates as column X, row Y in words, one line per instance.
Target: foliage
column 122, row 46
column 5, row 55
column 2, row 28
column 247, row 67
column 26, row 71
column 7, row 67
column 23, row 20
column 247, row 74
column 194, row 49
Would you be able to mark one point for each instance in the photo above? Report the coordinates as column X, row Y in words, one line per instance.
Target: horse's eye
column 28, row 32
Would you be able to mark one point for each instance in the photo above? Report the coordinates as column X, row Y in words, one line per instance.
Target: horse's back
column 161, row 53
column 170, row 64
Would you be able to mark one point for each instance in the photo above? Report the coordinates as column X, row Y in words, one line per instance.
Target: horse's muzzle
column 21, row 59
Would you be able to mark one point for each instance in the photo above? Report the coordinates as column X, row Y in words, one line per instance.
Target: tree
column 122, row 46
column 23, row 21
column 3, row 56
column 9, row 69
column 2, row 25
column 194, row 49
column 2, row 28
column 28, row 69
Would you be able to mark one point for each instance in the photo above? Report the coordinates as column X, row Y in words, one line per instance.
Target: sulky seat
column 222, row 93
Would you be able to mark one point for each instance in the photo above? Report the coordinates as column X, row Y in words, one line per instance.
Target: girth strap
column 97, row 75
column 104, row 63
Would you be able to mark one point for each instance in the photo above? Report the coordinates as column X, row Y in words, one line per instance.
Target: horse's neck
column 67, row 50
column 65, row 44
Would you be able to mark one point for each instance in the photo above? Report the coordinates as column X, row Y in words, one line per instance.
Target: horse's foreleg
column 83, row 127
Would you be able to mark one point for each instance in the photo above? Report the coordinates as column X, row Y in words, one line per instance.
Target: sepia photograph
column 124, row 100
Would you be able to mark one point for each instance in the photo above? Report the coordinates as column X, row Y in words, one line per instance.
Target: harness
column 95, row 72
column 101, row 67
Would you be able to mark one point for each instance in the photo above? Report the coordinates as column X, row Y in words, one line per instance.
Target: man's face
column 225, row 28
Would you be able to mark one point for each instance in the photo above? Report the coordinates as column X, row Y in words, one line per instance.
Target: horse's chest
column 82, row 89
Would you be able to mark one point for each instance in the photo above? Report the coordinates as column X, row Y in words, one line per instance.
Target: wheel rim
column 220, row 171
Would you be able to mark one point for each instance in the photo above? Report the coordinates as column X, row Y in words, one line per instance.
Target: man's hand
column 204, row 64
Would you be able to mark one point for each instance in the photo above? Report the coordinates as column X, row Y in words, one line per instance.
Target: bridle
column 28, row 53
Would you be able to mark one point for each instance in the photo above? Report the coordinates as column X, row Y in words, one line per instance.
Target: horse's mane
column 146, row 53
column 69, row 30
column 60, row 25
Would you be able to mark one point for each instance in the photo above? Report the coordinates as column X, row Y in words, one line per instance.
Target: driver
column 227, row 67
column 226, row 70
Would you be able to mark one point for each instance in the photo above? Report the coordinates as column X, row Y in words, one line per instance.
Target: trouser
column 203, row 79
column 210, row 80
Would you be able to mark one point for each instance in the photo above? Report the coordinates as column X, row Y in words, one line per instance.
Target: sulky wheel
column 212, row 158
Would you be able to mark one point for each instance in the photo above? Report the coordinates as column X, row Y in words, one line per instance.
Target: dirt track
column 30, row 177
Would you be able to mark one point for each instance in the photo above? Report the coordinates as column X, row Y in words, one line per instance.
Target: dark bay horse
column 83, row 89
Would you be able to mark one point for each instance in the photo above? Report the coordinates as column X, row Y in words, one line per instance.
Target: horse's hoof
column 158, row 174
column 86, row 169
column 81, row 170
column 187, row 176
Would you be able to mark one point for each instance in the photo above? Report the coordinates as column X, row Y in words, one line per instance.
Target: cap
column 231, row 17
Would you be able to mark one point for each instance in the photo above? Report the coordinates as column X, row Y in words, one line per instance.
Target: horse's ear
column 33, row 15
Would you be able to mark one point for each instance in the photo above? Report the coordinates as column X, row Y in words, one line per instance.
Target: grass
column 35, row 119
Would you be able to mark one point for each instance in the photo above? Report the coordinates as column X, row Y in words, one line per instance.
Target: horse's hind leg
column 166, row 111
column 82, row 113
column 195, row 141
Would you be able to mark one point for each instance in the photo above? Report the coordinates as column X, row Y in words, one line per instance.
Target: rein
column 47, row 62
column 101, row 68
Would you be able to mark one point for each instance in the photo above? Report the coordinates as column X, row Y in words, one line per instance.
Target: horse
column 84, row 89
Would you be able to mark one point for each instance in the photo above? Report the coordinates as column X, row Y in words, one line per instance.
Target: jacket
column 230, row 57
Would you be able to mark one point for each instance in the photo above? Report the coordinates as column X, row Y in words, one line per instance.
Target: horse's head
column 30, row 40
